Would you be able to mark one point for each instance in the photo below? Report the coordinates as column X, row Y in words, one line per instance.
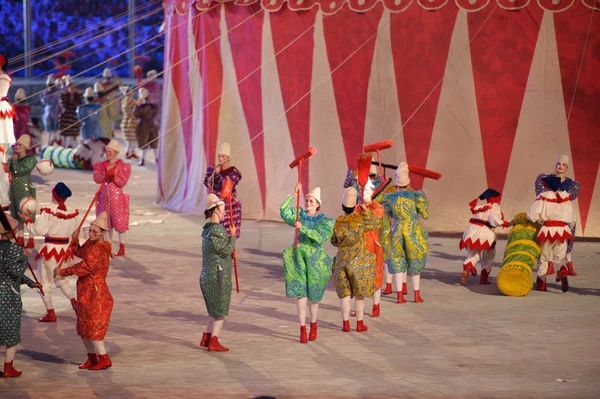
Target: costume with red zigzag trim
column 7, row 112
column 554, row 211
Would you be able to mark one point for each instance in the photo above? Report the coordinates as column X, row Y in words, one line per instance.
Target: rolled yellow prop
column 520, row 258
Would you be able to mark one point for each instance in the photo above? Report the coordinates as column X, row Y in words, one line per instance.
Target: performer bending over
column 215, row 279
column 94, row 300
column 479, row 238
column 307, row 268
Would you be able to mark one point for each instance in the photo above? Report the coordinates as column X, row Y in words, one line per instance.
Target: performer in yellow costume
column 408, row 241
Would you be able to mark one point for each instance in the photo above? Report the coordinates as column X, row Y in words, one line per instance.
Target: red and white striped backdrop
column 486, row 92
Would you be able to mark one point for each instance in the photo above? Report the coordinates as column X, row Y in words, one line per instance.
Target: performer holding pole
column 226, row 194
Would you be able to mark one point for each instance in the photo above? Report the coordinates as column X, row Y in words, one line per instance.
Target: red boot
column 215, row 346
column 205, row 338
column 103, row 363
column 121, row 250
column 571, row 270
column 30, row 243
column 376, row 310
column 360, row 326
column 484, row 276
column 404, row 289
column 346, row 325
column 418, row 298
column 401, row 298
column 20, row 241
column 550, row 269
column 74, row 304
column 540, row 285
column 10, row 372
column 92, row 360
column 303, row 337
column 313, row 331
column 562, row 276
column 50, row 317
column 388, row 289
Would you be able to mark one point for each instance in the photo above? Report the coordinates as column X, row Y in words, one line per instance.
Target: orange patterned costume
column 93, row 297
column 374, row 245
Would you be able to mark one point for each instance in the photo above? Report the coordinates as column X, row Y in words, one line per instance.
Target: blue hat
column 489, row 193
column 551, row 182
column 61, row 190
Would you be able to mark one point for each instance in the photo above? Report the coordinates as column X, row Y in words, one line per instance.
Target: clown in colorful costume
column 20, row 167
column 215, row 178
column 94, row 300
column 113, row 174
column 568, row 185
column 7, row 111
column 215, row 279
column 50, row 98
column 479, row 238
column 88, row 114
column 353, row 266
column 408, row 241
column 554, row 211
column 56, row 223
column 307, row 268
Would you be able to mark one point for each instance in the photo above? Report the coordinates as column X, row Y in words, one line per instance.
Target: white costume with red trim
column 479, row 238
column 554, row 211
column 56, row 226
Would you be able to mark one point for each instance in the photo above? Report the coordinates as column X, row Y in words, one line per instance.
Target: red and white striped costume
column 479, row 238
column 56, row 226
column 554, row 211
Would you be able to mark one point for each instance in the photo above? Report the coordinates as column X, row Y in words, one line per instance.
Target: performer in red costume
column 94, row 300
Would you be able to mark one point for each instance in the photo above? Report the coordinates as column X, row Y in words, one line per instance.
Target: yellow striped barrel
column 520, row 258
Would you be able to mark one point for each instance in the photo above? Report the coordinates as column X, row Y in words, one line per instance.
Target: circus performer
column 479, row 239
column 408, row 241
column 70, row 99
column 13, row 264
column 22, row 112
column 56, row 223
column 146, row 130
column 94, row 301
column 50, row 98
column 554, row 211
column 151, row 84
column 307, row 268
column 374, row 245
column 20, row 167
column 353, row 271
column 128, row 122
column 88, row 115
column 572, row 187
column 107, row 92
column 215, row 279
column 113, row 175
column 7, row 111
column 215, row 177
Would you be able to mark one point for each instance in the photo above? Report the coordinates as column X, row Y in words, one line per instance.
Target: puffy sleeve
column 288, row 214
column 235, row 176
column 95, row 256
column 122, row 173
column 211, row 178
column 28, row 164
column 17, row 265
column 76, row 249
column 340, row 236
column 422, row 204
column 573, row 190
column 221, row 243
column 496, row 217
column 538, row 185
column 535, row 211
column 100, row 172
column 371, row 220
column 41, row 225
column 388, row 206
column 320, row 234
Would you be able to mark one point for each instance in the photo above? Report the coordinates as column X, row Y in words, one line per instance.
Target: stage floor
column 462, row 342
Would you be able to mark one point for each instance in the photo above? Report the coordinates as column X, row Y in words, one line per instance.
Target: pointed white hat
column 401, row 178
column 563, row 158
column 212, row 201
column 101, row 221
column 350, row 197
column 107, row 73
column 25, row 141
column 143, row 93
column 225, row 149
column 114, row 145
column 315, row 193
column 89, row 92
column 20, row 95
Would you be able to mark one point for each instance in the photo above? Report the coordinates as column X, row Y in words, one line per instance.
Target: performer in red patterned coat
column 56, row 223
column 215, row 178
column 113, row 175
column 93, row 297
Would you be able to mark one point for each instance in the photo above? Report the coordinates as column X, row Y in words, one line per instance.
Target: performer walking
column 215, row 178
column 146, row 130
column 50, row 98
column 70, row 99
column 94, row 300
column 479, row 238
column 572, row 187
column 554, row 211
column 20, row 167
column 374, row 245
column 353, row 271
column 13, row 264
column 113, row 175
column 307, row 268
column 106, row 90
column 88, row 115
column 56, row 223
column 408, row 241
column 129, row 122
column 215, row 279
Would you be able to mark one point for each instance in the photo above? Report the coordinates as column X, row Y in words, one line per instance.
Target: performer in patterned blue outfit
column 568, row 185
